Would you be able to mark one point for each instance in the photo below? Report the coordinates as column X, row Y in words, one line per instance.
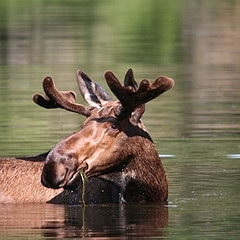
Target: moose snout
column 54, row 175
column 60, row 170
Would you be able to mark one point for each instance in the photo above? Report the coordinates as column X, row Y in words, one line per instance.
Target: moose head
column 113, row 143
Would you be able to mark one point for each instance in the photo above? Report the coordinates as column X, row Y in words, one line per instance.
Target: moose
column 113, row 144
column 113, row 149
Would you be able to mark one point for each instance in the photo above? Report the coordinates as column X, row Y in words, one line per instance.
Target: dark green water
column 196, row 125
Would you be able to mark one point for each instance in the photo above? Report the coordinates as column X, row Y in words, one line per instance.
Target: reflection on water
column 195, row 126
column 74, row 221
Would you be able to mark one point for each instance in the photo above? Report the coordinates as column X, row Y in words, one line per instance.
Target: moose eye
column 115, row 127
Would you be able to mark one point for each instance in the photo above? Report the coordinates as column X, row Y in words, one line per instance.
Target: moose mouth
column 72, row 179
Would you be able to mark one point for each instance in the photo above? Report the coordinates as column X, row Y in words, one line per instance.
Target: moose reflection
column 113, row 147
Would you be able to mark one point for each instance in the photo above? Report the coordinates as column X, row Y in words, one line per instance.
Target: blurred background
column 194, row 42
column 196, row 125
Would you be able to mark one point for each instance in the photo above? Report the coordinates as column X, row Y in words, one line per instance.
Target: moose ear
column 91, row 91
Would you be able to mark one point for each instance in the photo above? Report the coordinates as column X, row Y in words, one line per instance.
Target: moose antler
column 59, row 99
column 132, row 97
column 129, row 79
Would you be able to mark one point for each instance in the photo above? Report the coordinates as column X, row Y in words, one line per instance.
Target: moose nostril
column 61, row 179
column 53, row 175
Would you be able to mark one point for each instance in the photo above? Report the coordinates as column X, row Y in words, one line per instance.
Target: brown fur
column 20, row 182
column 127, row 157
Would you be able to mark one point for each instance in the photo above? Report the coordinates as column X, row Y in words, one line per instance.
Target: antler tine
column 129, row 79
column 116, row 87
column 131, row 98
column 58, row 99
column 46, row 102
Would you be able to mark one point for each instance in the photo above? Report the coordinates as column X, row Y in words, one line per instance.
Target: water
column 195, row 126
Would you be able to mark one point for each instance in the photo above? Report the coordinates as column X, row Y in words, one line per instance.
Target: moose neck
column 143, row 178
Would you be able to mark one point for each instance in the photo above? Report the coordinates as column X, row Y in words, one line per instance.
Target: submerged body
column 20, row 182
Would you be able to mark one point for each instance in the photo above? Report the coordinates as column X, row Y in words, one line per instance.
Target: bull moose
column 113, row 149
